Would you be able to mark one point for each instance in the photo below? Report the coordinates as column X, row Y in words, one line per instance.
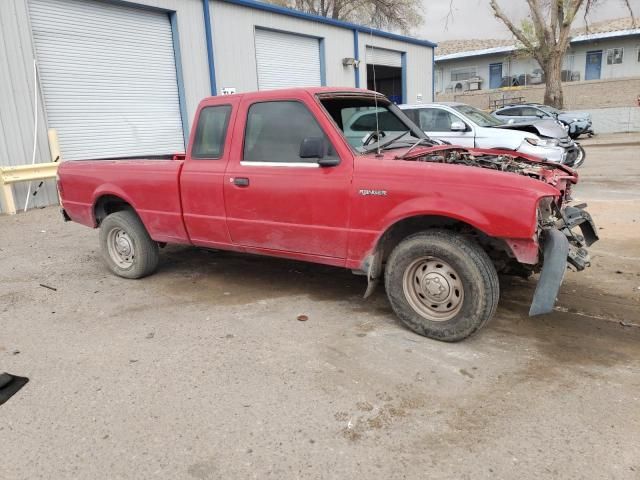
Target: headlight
column 549, row 142
column 546, row 211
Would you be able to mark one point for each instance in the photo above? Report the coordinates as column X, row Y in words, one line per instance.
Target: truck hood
column 508, row 164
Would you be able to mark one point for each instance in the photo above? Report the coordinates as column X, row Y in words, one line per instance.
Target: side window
column 436, row 120
column 531, row 112
column 275, row 131
column 413, row 114
column 511, row 112
column 211, row 132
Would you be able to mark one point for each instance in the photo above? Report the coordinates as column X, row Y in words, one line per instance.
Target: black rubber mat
column 9, row 385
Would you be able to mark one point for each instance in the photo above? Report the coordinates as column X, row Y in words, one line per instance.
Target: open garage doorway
column 388, row 78
column 388, row 81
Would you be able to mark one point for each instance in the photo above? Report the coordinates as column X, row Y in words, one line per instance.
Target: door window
column 276, row 130
column 532, row 112
column 436, row 120
column 211, row 132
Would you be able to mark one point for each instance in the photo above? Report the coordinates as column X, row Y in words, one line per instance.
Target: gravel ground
column 202, row 371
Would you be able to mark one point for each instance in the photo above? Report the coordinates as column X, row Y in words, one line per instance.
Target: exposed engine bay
column 503, row 163
column 553, row 174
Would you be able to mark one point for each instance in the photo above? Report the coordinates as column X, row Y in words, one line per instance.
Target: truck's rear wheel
column 126, row 246
column 442, row 285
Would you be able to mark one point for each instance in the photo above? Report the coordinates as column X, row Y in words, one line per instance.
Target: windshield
column 548, row 109
column 480, row 118
column 360, row 117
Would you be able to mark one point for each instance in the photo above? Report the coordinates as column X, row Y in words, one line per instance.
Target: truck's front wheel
column 442, row 285
column 126, row 246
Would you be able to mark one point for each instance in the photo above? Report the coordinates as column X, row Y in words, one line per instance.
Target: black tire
column 476, row 274
column 143, row 254
column 580, row 157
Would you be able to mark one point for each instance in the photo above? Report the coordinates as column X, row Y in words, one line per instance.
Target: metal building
column 124, row 78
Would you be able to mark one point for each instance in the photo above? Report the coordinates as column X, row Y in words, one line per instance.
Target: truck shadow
column 566, row 336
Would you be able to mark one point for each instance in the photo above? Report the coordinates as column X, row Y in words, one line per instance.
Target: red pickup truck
column 291, row 174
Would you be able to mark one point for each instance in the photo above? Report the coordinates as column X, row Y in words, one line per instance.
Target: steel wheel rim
column 433, row 288
column 120, row 248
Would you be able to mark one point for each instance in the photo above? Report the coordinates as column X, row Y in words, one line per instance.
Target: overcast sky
column 473, row 18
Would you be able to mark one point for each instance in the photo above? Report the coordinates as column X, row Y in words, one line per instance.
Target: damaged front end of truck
column 563, row 235
column 563, row 230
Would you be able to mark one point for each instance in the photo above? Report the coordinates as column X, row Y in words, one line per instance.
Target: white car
column 467, row 126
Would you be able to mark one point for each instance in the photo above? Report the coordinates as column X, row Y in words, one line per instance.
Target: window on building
column 463, row 73
column 211, row 132
column 614, row 56
column 275, row 131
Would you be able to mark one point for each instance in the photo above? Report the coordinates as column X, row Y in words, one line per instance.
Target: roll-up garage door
column 108, row 76
column 287, row 60
column 382, row 56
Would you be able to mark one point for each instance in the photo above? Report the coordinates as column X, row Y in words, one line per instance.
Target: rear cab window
column 211, row 132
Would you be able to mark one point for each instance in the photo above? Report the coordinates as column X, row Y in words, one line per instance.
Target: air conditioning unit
column 467, row 85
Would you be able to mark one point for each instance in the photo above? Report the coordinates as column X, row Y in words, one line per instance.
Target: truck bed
column 150, row 185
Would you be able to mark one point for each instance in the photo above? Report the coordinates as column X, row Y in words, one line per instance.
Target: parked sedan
column 468, row 126
column 578, row 123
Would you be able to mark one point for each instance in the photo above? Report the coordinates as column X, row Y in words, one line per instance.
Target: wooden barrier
column 22, row 173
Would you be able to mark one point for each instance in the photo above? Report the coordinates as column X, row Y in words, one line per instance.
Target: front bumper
column 550, row 154
column 562, row 247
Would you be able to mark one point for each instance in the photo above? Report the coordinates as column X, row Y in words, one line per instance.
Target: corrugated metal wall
column 17, row 100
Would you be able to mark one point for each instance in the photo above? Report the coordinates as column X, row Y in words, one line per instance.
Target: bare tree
column 547, row 35
column 403, row 15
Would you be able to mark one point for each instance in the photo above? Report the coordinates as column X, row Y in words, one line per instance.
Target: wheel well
column 108, row 204
column 496, row 248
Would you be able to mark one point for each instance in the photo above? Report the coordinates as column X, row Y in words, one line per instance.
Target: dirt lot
column 203, row 372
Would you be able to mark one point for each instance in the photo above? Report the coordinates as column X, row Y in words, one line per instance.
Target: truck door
column 202, row 176
column 276, row 200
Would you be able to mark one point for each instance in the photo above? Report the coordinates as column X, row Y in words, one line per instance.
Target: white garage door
column 108, row 75
column 382, row 56
column 287, row 60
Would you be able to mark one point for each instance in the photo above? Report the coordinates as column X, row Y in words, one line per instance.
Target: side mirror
column 458, row 127
column 313, row 147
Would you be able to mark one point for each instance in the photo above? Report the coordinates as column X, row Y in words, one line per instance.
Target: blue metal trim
column 323, row 71
column 329, row 21
column 209, row 38
column 356, row 55
column 173, row 19
column 404, row 77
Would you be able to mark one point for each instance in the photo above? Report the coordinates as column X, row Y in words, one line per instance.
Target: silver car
column 577, row 123
column 464, row 125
